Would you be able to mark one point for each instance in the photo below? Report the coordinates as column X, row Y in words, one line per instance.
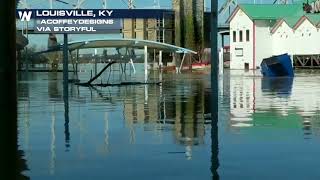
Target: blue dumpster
column 277, row 66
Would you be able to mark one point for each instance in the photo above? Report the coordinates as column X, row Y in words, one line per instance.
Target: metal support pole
column 146, row 96
column 72, row 61
column 65, row 90
column 66, row 116
column 160, row 60
column 214, row 90
column 154, row 59
column 132, row 65
column 163, row 29
column 221, row 62
column 106, row 132
column 145, row 64
column 222, row 40
column 182, row 61
column 214, row 58
column 95, row 62
column 77, row 61
column 53, row 142
column 26, row 50
column 26, row 60
column 65, row 59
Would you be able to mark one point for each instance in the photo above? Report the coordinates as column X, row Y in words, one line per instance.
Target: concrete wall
column 306, row 39
column 241, row 22
column 263, row 43
column 283, row 40
column 302, row 41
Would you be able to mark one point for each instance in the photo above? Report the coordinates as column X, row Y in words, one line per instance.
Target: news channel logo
column 71, row 21
column 25, row 15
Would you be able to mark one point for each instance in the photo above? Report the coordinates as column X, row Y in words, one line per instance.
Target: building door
column 246, row 66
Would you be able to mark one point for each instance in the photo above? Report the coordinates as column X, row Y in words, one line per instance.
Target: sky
column 112, row 4
column 40, row 41
column 116, row 4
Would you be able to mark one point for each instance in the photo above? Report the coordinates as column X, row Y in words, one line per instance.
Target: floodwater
column 267, row 128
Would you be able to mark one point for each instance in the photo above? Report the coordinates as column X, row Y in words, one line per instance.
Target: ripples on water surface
column 268, row 128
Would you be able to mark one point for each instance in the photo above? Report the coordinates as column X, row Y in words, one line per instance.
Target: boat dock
column 311, row 61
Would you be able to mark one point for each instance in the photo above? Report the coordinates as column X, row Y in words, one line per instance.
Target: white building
column 260, row 31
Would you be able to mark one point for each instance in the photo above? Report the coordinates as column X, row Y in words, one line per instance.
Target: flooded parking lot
column 267, row 128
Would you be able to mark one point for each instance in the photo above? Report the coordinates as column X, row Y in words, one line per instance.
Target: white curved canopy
column 130, row 43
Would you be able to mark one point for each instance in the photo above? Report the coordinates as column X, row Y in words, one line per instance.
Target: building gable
column 277, row 25
column 301, row 21
column 290, row 21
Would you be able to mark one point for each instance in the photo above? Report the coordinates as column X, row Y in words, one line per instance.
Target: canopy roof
column 120, row 43
column 130, row 43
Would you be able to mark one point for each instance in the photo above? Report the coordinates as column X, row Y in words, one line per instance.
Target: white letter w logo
column 25, row 15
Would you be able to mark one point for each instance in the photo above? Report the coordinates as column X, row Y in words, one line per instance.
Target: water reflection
column 279, row 85
column 215, row 117
column 214, row 150
column 53, row 142
column 168, row 131
column 66, row 114
column 178, row 108
column 281, row 102
column 54, row 85
column 185, row 111
column 22, row 166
